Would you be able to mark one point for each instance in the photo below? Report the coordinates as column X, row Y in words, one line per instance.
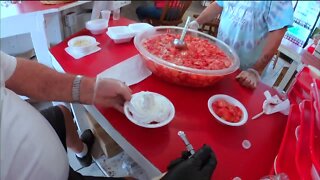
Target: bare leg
column 72, row 137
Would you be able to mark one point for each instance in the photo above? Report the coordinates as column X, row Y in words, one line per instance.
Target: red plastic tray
column 315, row 126
column 300, row 88
column 303, row 156
column 285, row 161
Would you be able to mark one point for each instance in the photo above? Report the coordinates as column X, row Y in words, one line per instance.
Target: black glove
column 200, row 166
column 184, row 156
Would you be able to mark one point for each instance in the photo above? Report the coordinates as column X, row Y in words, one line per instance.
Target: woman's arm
column 273, row 41
column 208, row 14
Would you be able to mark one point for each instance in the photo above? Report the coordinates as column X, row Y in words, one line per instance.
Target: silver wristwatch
column 76, row 88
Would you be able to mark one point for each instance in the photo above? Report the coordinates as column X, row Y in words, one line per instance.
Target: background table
column 28, row 17
column 293, row 51
column 153, row 149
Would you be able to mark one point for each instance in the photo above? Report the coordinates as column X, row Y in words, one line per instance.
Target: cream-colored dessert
column 147, row 107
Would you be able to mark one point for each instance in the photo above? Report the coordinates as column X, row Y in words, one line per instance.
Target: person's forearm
column 273, row 41
column 42, row 83
column 209, row 13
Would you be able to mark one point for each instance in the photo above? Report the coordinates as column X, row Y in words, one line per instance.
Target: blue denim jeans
column 144, row 12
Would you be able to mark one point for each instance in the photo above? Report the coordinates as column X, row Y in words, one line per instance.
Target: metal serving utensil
column 186, row 142
column 179, row 43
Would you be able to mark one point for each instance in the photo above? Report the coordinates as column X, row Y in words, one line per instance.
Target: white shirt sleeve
column 8, row 65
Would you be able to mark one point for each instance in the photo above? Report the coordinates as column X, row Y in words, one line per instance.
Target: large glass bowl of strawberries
column 202, row 62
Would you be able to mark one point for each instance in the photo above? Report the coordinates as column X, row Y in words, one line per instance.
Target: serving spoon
column 179, row 43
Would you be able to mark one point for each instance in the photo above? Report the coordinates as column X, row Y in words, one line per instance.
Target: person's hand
column 316, row 39
column 200, row 166
column 111, row 93
column 194, row 25
column 184, row 156
column 248, row 78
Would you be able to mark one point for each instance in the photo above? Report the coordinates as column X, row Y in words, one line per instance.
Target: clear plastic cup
column 105, row 14
column 116, row 14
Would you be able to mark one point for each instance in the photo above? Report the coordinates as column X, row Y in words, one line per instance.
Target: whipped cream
column 149, row 107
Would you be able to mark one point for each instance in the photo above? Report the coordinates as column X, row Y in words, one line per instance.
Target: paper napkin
column 274, row 104
column 78, row 55
column 130, row 71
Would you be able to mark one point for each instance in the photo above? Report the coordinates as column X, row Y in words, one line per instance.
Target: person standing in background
column 254, row 29
column 154, row 11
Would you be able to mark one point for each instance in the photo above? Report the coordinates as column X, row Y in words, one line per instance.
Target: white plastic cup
column 116, row 14
column 105, row 14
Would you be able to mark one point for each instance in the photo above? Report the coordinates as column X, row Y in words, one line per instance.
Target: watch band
column 76, row 88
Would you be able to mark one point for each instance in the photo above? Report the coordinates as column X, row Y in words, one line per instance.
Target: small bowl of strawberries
column 227, row 110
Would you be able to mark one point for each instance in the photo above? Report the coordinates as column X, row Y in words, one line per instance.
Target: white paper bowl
column 139, row 27
column 120, row 34
column 164, row 122
column 230, row 100
column 82, row 44
column 97, row 26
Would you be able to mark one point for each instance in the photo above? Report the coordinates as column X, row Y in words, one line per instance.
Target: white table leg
column 292, row 68
column 80, row 117
column 40, row 41
column 34, row 24
column 54, row 29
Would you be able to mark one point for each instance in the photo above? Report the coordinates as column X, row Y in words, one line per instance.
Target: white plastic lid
column 246, row 144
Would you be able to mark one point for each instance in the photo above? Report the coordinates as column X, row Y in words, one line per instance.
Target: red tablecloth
column 162, row 145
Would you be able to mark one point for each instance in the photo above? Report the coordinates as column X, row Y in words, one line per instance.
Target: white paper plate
column 230, row 100
column 153, row 124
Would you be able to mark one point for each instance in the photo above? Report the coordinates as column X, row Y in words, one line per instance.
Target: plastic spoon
column 179, row 43
column 137, row 115
column 257, row 115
